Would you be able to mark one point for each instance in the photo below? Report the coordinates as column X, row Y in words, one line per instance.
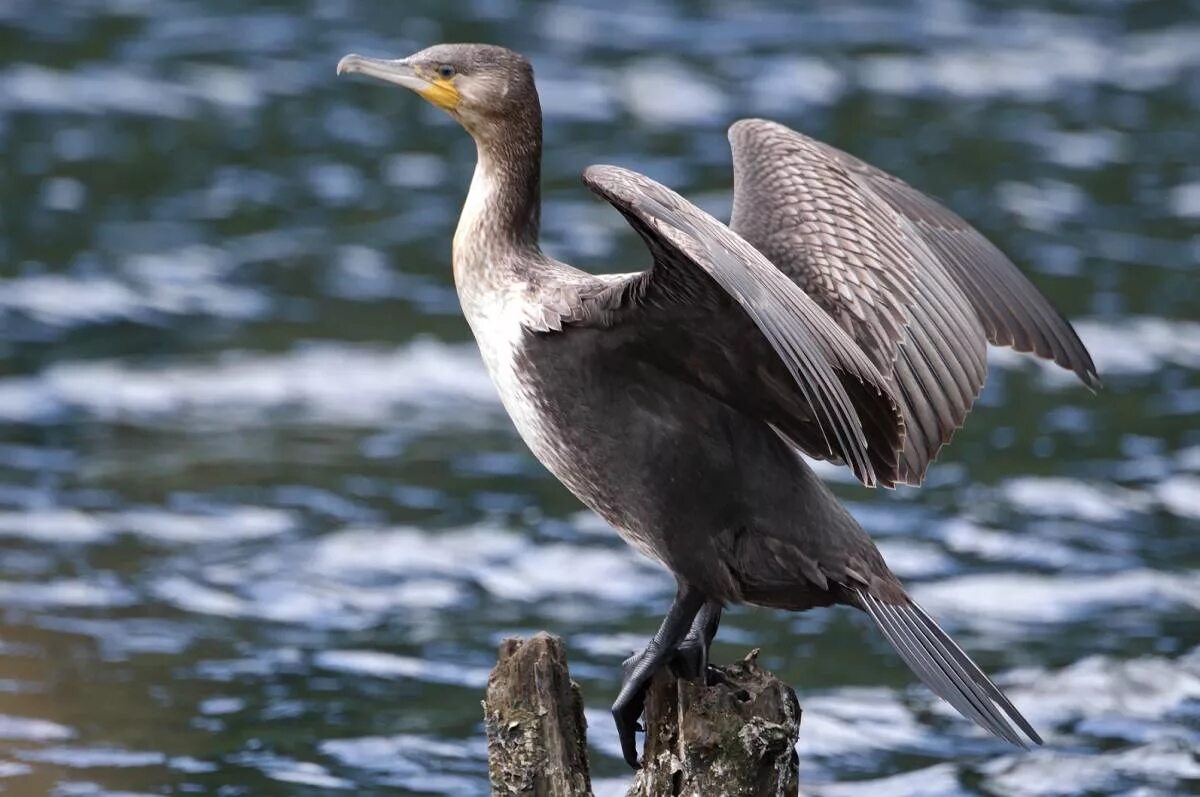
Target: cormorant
column 841, row 313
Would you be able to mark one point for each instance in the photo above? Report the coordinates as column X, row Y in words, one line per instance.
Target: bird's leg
column 639, row 668
column 691, row 657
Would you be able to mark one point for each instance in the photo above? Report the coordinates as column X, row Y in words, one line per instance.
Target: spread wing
column 916, row 287
column 1013, row 311
column 715, row 313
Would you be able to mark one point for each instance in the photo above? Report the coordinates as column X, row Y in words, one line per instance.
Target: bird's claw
column 689, row 661
column 626, row 715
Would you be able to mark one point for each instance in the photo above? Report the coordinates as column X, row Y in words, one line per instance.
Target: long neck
column 503, row 209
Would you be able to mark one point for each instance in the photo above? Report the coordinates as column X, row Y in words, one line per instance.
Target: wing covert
column 867, row 266
column 799, row 371
column 1013, row 310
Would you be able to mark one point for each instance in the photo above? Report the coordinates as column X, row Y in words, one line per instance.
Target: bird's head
column 481, row 85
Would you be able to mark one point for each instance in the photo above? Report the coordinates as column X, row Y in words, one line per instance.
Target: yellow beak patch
column 442, row 93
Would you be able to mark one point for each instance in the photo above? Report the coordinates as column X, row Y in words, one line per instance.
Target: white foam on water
column 52, row 524
column 92, row 757
column 228, row 524
column 1184, row 200
column 1064, row 497
column 390, row 665
column 909, row 559
column 223, row 525
column 220, row 706
column 123, row 638
column 63, row 194
column 857, row 721
column 664, row 92
column 187, row 281
column 225, row 86
column 422, row 763
column 360, row 576
column 374, row 752
column 1036, row 61
column 400, row 551
column 1009, row 603
column 1043, row 205
column 327, row 382
column 54, row 298
column 414, row 170
column 1084, row 149
column 607, row 574
column 966, row 537
column 191, row 596
column 789, row 83
column 1050, row 773
column 95, row 88
column 1180, row 495
column 11, row 769
column 335, row 183
column 939, row 780
column 1132, row 346
column 92, row 90
column 1146, row 688
column 585, row 97
column 304, row 773
column 33, row 730
column 65, row 593
column 610, row 787
column 1189, row 458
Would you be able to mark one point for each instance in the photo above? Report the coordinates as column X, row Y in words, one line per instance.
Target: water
column 264, row 521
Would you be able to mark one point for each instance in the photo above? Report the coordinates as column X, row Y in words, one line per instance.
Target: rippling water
column 264, row 521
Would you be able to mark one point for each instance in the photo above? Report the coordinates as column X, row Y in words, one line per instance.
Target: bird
column 840, row 314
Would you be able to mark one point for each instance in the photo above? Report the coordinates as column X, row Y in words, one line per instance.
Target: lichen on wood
column 733, row 738
column 736, row 738
column 533, row 714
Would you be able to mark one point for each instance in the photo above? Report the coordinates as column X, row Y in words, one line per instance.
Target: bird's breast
column 542, row 384
column 501, row 337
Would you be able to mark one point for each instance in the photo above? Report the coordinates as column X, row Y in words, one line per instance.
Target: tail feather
column 943, row 666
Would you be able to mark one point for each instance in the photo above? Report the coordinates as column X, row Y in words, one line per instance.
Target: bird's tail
column 942, row 665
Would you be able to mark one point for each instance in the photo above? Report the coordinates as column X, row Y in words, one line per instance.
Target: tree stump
column 735, row 738
column 533, row 713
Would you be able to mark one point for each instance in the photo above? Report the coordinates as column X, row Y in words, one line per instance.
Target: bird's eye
column 446, row 71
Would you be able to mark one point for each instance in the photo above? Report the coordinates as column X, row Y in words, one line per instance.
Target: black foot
column 631, row 702
column 691, row 656
column 640, row 668
column 690, row 660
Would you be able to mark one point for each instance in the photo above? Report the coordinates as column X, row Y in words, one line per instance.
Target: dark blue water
column 264, row 521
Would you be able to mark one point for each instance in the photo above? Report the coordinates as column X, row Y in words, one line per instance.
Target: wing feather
column 916, row 287
column 867, row 266
column 1014, row 311
column 843, row 412
column 942, row 665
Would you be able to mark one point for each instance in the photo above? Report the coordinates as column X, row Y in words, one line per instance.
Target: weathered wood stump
column 533, row 713
column 735, row 738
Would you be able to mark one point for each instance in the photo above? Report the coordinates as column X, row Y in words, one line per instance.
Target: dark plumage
column 841, row 313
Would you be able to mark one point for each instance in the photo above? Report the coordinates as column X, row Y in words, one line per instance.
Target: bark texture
column 533, row 713
column 735, row 738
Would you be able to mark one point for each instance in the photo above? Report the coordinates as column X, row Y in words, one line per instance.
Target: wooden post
column 736, row 738
column 533, row 712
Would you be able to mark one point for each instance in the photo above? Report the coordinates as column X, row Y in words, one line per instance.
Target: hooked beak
column 398, row 72
column 439, row 91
